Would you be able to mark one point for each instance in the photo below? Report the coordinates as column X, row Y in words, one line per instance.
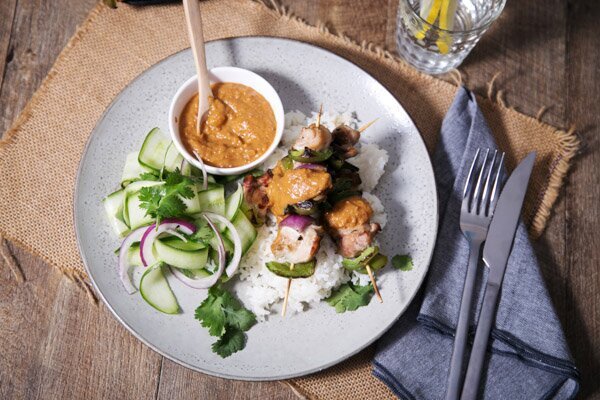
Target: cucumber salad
column 175, row 219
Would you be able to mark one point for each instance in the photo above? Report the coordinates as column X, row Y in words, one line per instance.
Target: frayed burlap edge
column 299, row 391
column 569, row 147
column 569, row 142
column 78, row 277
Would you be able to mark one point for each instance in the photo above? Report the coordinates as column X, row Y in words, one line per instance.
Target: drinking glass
column 434, row 50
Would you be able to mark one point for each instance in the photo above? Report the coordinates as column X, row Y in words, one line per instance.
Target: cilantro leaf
column 225, row 317
column 171, row 206
column 150, row 199
column 165, row 201
column 235, row 314
column 241, row 318
column 178, row 184
column 402, row 262
column 349, row 297
column 203, row 233
column 233, row 340
column 210, row 314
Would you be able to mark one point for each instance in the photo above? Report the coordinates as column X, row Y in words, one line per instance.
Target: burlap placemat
column 40, row 154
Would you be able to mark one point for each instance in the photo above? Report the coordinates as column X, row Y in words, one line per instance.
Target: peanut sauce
column 349, row 213
column 295, row 185
column 239, row 127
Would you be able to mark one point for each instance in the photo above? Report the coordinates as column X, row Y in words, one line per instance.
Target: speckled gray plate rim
column 304, row 76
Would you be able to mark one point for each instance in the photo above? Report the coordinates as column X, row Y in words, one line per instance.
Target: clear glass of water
column 432, row 49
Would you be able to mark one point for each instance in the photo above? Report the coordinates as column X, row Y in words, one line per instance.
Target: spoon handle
column 194, row 25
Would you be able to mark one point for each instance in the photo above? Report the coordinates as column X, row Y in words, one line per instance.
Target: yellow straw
column 431, row 17
column 443, row 41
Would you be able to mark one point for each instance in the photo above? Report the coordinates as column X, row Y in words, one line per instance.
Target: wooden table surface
column 55, row 344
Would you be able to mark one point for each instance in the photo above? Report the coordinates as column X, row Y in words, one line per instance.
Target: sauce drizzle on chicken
column 293, row 186
column 349, row 213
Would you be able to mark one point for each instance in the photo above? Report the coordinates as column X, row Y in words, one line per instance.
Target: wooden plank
column 40, row 31
column 56, row 344
column 527, row 46
column 7, row 14
column 582, row 283
column 24, row 319
column 178, row 382
column 361, row 20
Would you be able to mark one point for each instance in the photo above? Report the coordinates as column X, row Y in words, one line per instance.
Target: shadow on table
column 519, row 27
column 572, row 318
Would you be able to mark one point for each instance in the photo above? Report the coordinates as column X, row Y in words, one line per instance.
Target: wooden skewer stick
column 370, row 272
column 287, row 293
column 318, row 123
column 364, row 127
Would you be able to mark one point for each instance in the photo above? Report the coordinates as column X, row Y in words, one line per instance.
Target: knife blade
column 496, row 251
column 506, row 218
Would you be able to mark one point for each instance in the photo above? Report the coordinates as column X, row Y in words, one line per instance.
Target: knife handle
column 484, row 326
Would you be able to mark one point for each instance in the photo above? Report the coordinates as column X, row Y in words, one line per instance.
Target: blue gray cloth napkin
column 529, row 356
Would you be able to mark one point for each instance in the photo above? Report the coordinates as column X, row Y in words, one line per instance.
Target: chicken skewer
column 298, row 237
column 348, row 221
column 289, row 283
column 295, row 186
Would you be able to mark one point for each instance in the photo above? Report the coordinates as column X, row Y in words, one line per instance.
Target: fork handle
column 484, row 326
column 462, row 328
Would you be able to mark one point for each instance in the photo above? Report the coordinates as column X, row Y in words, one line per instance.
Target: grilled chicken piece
column 344, row 139
column 314, row 137
column 348, row 223
column 255, row 195
column 297, row 247
column 344, row 135
column 349, row 213
column 352, row 242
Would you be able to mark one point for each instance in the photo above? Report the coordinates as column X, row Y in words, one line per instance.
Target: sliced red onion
column 202, row 283
column 318, row 167
column 203, row 169
column 133, row 237
column 237, row 242
column 221, row 249
column 152, row 232
column 297, row 222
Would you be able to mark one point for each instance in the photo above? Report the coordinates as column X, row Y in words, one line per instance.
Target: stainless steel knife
column 496, row 251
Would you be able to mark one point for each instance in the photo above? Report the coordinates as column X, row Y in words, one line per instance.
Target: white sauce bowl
column 234, row 75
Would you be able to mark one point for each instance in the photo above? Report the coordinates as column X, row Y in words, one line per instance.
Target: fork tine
column 497, row 179
column 485, row 197
column 475, row 200
column 468, row 181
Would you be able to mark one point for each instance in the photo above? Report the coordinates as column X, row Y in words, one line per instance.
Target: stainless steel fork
column 479, row 200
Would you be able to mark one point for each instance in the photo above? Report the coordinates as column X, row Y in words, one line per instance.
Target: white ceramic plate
column 304, row 76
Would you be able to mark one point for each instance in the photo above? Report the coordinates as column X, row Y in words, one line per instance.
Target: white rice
column 259, row 289
column 371, row 160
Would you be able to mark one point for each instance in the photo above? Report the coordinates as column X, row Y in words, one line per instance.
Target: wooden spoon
column 194, row 25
